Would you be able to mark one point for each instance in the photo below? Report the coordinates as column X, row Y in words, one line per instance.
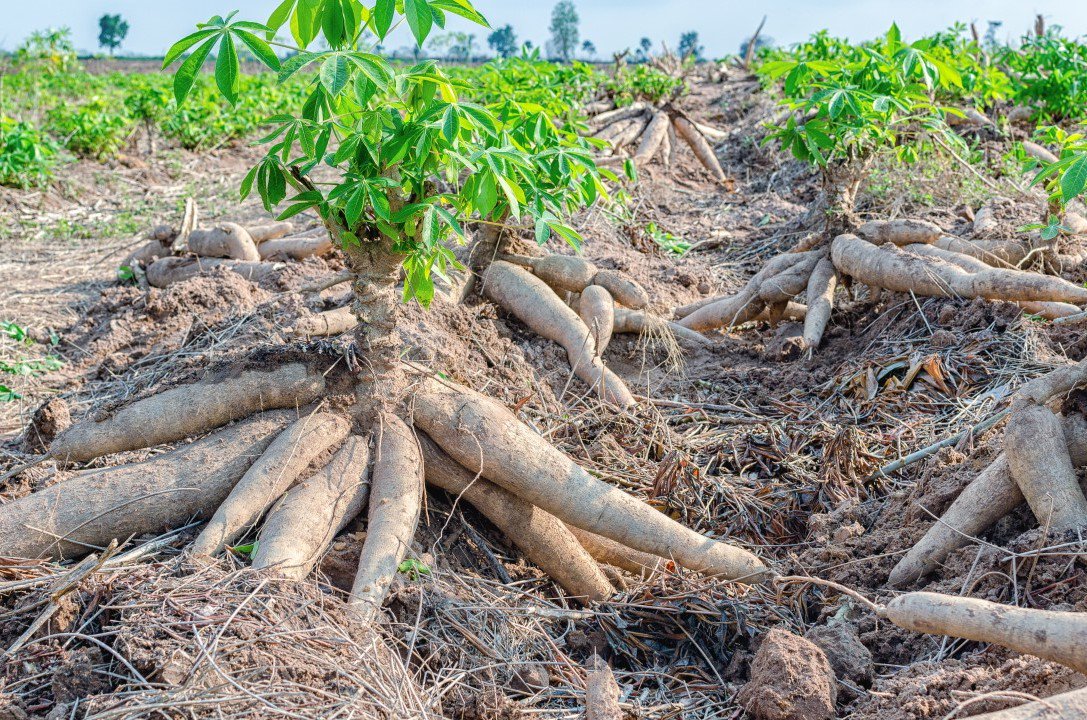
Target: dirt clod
column 849, row 658
column 48, row 420
column 791, row 679
column 11, row 708
column 75, row 677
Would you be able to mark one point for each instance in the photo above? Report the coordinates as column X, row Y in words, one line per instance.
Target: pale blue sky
column 610, row 24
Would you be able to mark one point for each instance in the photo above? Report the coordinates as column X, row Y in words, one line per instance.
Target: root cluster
column 172, row 255
column 650, row 132
column 908, row 256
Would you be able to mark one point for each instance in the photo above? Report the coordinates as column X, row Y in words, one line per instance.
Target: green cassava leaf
column 1074, row 179
column 186, row 74
column 383, row 17
column 335, row 74
column 279, row 16
column 227, row 70
column 184, row 44
column 260, row 48
column 420, row 19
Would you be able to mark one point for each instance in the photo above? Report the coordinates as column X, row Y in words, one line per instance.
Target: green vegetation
column 849, row 103
column 1050, row 76
column 667, row 241
column 89, row 130
column 27, row 157
column 15, row 343
column 394, row 131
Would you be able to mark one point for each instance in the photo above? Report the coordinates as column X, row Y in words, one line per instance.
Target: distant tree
column 990, row 33
column 456, row 46
column 112, row 31
column 762, row 41
column 564, row 30
column 688, row 46
column 503, row 41
column 644, row 46
column 588, row 48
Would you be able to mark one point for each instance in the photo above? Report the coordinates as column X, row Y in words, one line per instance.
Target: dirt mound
column 934, row 689
column 130, row 324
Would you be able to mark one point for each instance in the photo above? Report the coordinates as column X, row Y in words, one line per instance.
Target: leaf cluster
column 848, row 102
column 413, row 157
column 27, row 156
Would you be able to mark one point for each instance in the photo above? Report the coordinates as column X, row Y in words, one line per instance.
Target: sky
column 610, row 24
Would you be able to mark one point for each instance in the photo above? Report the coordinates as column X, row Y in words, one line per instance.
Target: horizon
column 153, row 29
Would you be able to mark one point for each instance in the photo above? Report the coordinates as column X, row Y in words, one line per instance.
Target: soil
column 776, row 455
column 791, row 679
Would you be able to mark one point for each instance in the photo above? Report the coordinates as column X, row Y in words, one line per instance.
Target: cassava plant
column 148, row 104
column 841, row 111
column 405, row 168
column 1048, row 75
column 844, row 110
column 1064, row 177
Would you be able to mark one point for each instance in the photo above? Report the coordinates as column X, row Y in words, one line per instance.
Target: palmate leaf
column 410, row 122
column 227, row 67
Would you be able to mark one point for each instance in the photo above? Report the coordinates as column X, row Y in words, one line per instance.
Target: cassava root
column 484, row 437
column 542, row 537
column 897, row 270
column 269, row 477
column 1070, row 705
column 227, row 240
column 185, row 411
column 1048, row 634
column 989, row 497
column 395, row 502
column 1041, row 466
column 529, row 298
column 596, row 308
column 301, row 526
column 74, row 517
column 169, row 270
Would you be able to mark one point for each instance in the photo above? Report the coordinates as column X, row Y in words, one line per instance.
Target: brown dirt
column 791, row 679
column 774, row 454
